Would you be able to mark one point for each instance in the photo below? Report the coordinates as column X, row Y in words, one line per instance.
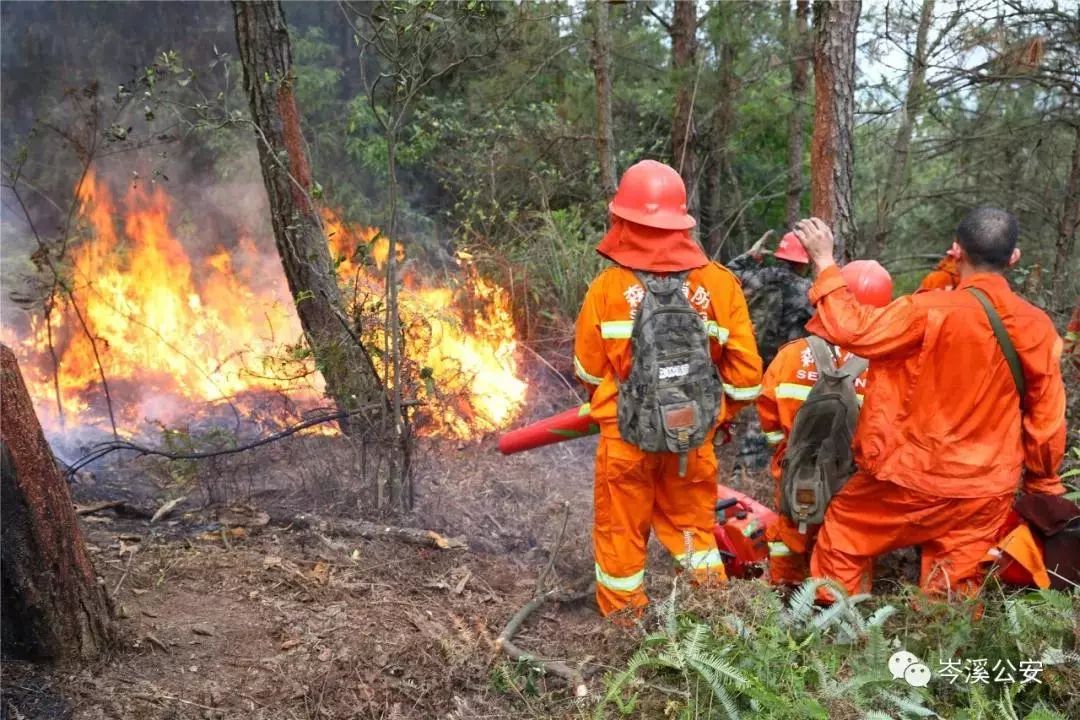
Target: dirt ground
column 228, row 611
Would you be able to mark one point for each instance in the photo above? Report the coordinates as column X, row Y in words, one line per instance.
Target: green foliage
column 180, row 440
column 800, row 660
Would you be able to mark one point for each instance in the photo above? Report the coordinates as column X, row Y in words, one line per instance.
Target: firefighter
column 945, row 276
column 776, row 293
column 636, row 491
column 949, row 430
column 787, row 383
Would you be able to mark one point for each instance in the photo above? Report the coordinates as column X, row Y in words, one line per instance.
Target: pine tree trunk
column 263, row 39
column 719, row 198
column 896, row 176
column 832, row 145
column 799, row 62
column 684, row 65
column 601, row 62
column 1067, row 228
column 54, row 608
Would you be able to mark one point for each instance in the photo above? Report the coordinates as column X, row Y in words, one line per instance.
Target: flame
column 175, row 333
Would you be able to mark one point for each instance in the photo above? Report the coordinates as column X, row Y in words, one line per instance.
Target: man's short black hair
column 988, row 236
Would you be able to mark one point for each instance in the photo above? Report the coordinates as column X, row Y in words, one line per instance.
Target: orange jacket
column 787, row 382
column 942, row 414
column 945, row 276
column 602, row 338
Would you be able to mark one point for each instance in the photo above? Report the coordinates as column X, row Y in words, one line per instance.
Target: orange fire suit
column 635, row 490
column 787, row 383
column 942, row 443
column 1072, row 340
column 945, row 276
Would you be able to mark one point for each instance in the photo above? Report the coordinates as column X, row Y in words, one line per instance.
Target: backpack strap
column 823, row 356
column 1004, row 341
column 855, row 366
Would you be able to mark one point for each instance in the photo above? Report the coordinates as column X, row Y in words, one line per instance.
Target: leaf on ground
column 321, row 573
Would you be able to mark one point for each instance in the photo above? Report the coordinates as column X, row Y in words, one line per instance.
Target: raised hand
column 817, row 238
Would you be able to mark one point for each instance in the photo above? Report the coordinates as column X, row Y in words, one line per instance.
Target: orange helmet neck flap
column 650, row 227
column 651, row 249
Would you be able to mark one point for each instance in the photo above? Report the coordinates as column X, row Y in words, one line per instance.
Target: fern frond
column 716, row 684
column 879, row 616
column 911, row 705
column 801, row 604
column 727, row 672
column 693, row 642
column 828, row 617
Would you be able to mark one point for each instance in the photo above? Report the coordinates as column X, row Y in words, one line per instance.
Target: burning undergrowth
column 150, row 317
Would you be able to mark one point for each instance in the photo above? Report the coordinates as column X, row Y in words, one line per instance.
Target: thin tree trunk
column 896, row 176
column 684, row 65
column 799, row 62
column 723, row 206
column 832, row 147
column 54, row 608
column 1067, row 228
column 601, row 62
column 263, row 39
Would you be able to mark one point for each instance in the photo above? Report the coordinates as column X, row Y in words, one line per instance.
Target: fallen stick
column 505, row 642
column 97, row 507
column 121, row 507
column 374, row 531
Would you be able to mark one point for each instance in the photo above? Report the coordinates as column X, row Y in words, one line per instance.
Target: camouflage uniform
column 779, row 309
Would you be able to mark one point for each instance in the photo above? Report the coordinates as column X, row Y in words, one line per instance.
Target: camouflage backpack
column 670, row 399
column 819, row 459
column 779, row 308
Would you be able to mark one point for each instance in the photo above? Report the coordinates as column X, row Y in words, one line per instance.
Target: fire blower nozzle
column 573, row 423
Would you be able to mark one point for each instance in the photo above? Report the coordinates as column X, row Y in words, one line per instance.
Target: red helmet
column 791, row 249
column 869, row 281
column 652, row 194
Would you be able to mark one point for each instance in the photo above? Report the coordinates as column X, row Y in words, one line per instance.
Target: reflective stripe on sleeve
column 1072, row 336
column 720, row 334
column 778, row 549
column 616, row 329
column 629, row 583
column 792, row 391
column 742, row 393
column 701, row 560
column 774, row 438
column 584, row 375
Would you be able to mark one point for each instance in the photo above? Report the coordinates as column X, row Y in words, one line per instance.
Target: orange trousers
column 636, row 491
column 870, row 517
column 789, row 551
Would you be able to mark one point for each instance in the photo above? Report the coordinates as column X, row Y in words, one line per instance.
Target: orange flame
column 173, row 333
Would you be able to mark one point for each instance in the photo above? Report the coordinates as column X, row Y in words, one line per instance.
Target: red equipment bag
column 740, row 532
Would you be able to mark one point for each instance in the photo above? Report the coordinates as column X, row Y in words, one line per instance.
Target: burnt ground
column 228, row 610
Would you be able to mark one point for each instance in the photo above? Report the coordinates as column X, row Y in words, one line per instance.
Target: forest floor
column 228, row 611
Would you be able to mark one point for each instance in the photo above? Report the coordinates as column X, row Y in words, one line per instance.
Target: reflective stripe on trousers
column 626, row 584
